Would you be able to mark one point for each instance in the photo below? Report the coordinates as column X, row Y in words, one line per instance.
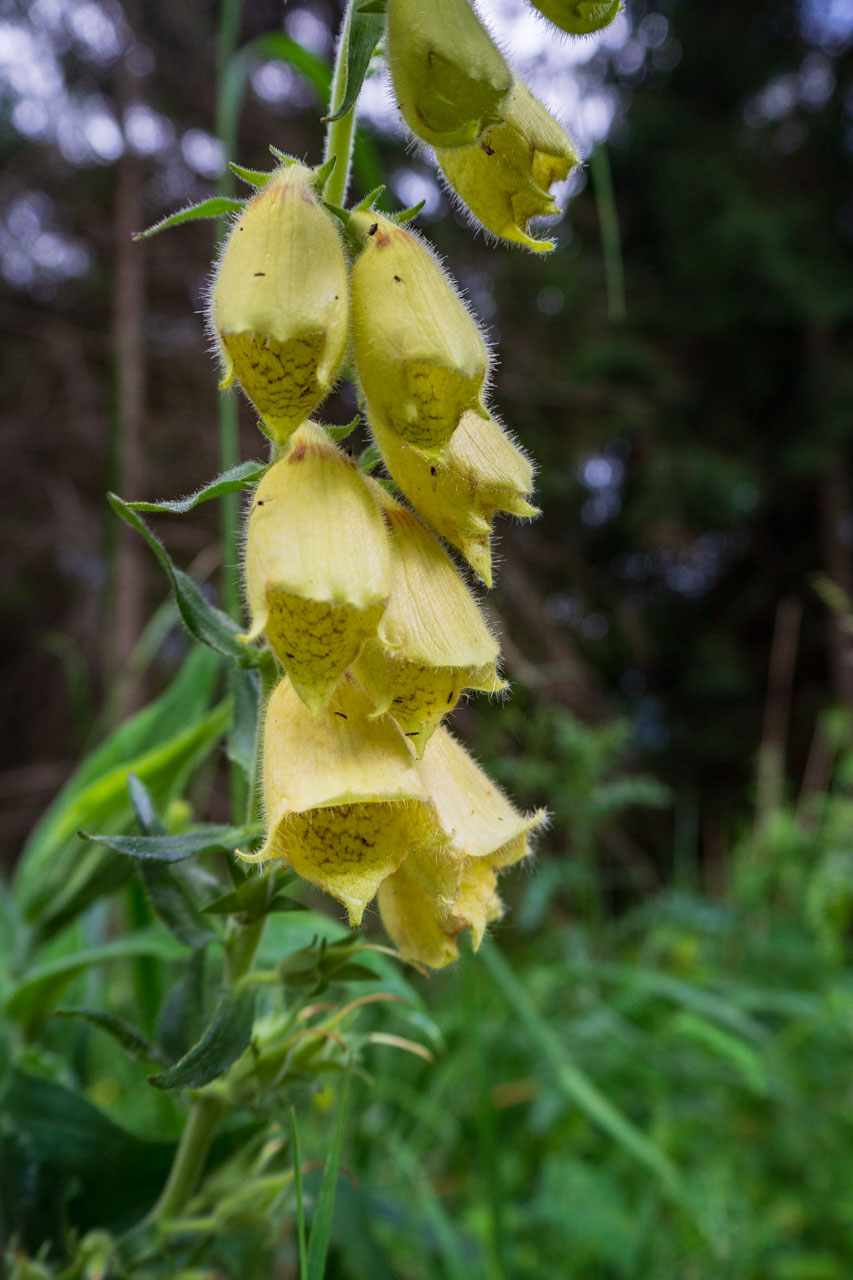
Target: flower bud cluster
column 351, row 581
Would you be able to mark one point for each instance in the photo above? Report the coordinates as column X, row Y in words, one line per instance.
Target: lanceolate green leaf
column 203, row 620
column 243, row 476
column 315, row 70
column 321, row 1227
column 31, row 1000
column 362, row 37
column 68, row 1141
column 212, row 208
column 207, row 838
column 226, row 1037
column 172, row 899
column 60, row 873
column 179, row 707
column 119, row 1028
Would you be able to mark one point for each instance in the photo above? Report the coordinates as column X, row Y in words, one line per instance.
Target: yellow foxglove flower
column 483, row 472
column 579, row 17
column 279, row 305
column 433, row 896
column 343, row 797
column 449, row 79
column 318, row 563
column 421, row 358
column 432, row 641
column 505, row 179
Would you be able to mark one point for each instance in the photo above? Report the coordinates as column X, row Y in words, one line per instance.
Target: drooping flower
column 483, row 472
column 432, row 641
column 279, row 304
column 579, row 17
column 505, row 179
column 421, row 359
column 343, row 797
column 433, row 896
column 318, row 563
column 449, row 78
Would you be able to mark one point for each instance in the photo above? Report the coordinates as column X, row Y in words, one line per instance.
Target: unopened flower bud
column 429, row 900
column 483, row 472
column 432, row 641
column 449, row 79
column 421, row 359
column 343, row 797
column 505, row 179
column 579, row 17
column 318, row 563
column 279, row 305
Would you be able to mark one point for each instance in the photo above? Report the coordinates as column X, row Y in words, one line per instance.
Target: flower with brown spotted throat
column 345, row 802
column 421, row 359
column 280, row 299
column 318, row 563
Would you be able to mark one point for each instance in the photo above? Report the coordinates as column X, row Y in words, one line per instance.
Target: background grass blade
column 574, row 1082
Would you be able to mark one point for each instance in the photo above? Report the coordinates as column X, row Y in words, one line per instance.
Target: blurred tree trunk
column 127, row 603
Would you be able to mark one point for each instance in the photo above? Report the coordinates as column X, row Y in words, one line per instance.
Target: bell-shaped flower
column 505, row 179
column 432, row 897
column 449, row 79
column 343, row 797
column 279, row 304
column 318, row 563
column 579, row 17
column 421, row 359
column 432, row 641
column 483, row 472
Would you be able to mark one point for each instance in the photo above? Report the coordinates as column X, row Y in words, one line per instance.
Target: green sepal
column 366, row 205
column 368, row 459
column 212, row 208
column 254, row 177
column 282, row 156
column 340, row 433
column 255, row 898
column 406, row 215
column 323, row 172
column 342, row 215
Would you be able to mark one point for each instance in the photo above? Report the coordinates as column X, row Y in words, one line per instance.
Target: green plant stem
column 189, row 1158
column 611, row 240
column 243, row 940
column 340, row 133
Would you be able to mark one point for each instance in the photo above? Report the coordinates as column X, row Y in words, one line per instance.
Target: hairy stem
column 340, row 133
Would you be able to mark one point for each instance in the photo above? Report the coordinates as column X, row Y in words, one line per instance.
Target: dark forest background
column 694, row 456
column 677, row 626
